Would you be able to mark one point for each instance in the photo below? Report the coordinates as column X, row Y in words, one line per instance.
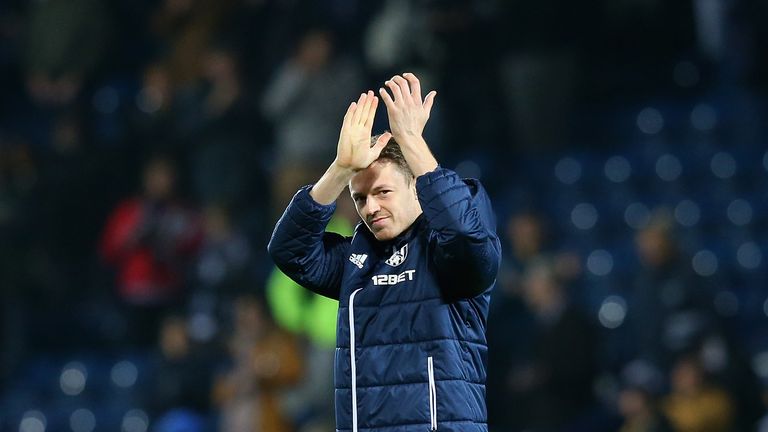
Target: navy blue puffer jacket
column 411, row 347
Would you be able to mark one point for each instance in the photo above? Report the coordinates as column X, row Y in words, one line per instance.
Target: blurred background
column 148, row 146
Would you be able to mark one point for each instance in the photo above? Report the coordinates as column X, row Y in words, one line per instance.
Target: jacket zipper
column 432, row 394
column 352, row 358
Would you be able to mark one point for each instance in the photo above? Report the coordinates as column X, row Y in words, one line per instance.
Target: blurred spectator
column 528, row 237
column 763, row 424
column 220, row 129
column 305, row 99
column 154, row 123
column 641, row 412
column 167, row 103
column 541, row 68
column 66, row 40
column 694, row 404
column 180, row 385
column 71, row 205
column 224, row 254
column 223, row 264
column 446, row 38
column 265, row 362
column 312, row 317
column 150, row 239
column 755, row 12
column 392, row 35
column 667, row 289
column 18, row 177
column 512, row 325
column 183, row 30
column 724, row 362
column 400, row 38
column 554, row 384
column 510, row 338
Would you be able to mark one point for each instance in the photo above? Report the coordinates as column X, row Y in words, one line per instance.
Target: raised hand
column 408, row 113
column 354, row 151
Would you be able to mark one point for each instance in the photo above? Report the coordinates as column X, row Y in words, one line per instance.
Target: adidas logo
column 358, row 259
column 398, row 257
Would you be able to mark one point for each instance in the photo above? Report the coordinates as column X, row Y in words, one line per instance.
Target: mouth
column 377, row 222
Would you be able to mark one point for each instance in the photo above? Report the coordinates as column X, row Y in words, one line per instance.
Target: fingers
column 350, row 113
column 367, row 107
column 415, row 86
column 362, row 111
column 388, row 102
column 404, row 102
column 395, row 89
column 405, row 89
column 360, row 107
column 380, row 143
column 429, row 101
column 372, row 111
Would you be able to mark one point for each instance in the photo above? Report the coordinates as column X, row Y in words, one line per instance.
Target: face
column 249, row 318
column 525, row 234
column 541, row 290
column 173, row 338
column 216, row 222
column 632, row 403
column 385, row 199
column 159, row 180
column 686, row 377
column 653, row 246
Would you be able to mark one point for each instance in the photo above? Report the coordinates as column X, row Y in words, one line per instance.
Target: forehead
column 379, row 174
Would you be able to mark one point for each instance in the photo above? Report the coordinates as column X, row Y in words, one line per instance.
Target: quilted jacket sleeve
column 302, row 249
column 467, row 251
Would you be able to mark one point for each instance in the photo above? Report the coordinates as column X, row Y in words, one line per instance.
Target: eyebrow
column 356, row 195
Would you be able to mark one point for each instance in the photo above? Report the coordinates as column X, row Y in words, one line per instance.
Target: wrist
column 331, row 184
column 340, row 170
column 410, row 140
column 418, row 155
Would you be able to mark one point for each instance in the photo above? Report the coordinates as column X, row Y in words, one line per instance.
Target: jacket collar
column 406, row 236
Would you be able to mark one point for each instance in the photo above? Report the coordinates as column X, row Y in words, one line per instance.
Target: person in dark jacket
column 414, row 280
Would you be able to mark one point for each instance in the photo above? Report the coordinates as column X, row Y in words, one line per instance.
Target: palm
column 354, row 148
column 408, row 112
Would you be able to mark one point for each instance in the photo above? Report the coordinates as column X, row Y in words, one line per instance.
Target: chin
column 383, row 235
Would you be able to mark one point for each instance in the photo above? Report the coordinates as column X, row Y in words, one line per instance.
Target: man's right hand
column 354, row 150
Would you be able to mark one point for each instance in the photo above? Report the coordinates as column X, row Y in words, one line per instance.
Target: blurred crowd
column 148, row 146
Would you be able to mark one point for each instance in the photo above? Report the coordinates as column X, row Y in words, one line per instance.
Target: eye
column 384, row 192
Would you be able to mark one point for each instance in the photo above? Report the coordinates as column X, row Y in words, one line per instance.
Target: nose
column 372, row 206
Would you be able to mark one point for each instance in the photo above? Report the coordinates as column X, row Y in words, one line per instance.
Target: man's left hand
column 408, row 113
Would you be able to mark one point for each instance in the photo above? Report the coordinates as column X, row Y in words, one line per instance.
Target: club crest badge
column 398, row 257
